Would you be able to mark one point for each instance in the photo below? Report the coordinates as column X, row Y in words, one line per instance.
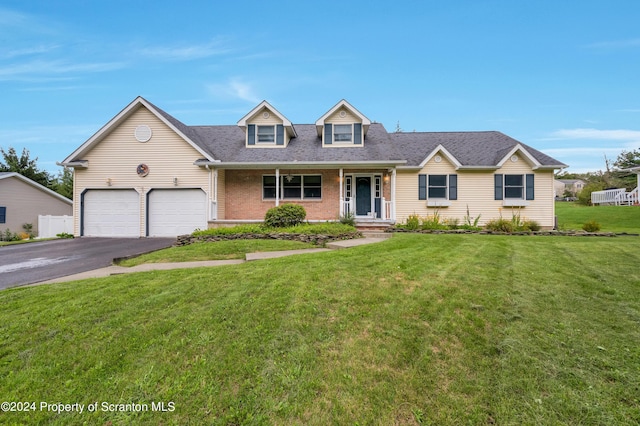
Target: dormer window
column 343, row 133
column 266, row 134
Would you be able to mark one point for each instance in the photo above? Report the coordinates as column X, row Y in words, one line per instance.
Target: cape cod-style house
column 145, row 173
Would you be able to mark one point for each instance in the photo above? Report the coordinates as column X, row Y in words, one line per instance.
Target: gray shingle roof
column 480, row 149
column 226, row 144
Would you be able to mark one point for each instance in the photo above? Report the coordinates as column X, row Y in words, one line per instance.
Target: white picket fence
column 50, row 226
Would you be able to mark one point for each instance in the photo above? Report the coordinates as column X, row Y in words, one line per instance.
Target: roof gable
column 186, row 133
column 441, row 149
column 26, row 180
column 347, row 106
column 527, row 156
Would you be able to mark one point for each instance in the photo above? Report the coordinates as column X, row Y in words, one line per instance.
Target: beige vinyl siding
column 118, row 155
column 272, row 120
column 347, row 119
column 476, row 191
column 25, row 202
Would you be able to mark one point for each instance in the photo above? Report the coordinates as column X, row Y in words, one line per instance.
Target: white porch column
column 214, row 203
column 277, row 187
column 393, row 194
column 342, row 193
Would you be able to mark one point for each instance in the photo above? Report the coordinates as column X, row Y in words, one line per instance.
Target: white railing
column 617, row 197
column 387, row 209
column 348, row 207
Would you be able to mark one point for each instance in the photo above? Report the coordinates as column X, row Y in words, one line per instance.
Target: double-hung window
column 438, row 190
column 343, row 133
column 266, row 134
column 514, row 190
column 437, row 186
column 293, row 187
column 514, row 186
column 3, row 215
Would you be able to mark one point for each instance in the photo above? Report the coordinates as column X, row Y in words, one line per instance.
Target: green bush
column 348, row 219
column 530, row 225
column 584, row 196
column 413, row 222
column 500, row 225
column 7, row 235
column 285, row 215
column 591, row 226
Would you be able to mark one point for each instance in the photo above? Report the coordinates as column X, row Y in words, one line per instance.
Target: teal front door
column 363, row 195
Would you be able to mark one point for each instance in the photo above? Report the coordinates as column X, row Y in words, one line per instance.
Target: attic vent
column 265, row 115
column 343, row 114
column 437, row 159
column 143, row 133
column 514, row 158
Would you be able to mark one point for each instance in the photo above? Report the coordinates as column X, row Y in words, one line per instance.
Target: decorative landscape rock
column 317, row 239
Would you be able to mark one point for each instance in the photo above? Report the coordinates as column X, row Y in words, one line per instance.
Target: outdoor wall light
column 108, row 181
column 175, row 181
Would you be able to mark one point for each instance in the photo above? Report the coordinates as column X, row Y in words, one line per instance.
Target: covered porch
column 243, row 195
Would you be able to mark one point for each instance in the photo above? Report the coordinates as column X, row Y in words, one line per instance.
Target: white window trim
column 523, row 187
column 257, row 135
column 438, row 202
column 349, row 142
column 281, row 188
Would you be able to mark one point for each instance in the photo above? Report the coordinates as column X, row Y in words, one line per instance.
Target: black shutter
column 279, row 134
column 328, row 134
column 422, row 187
column 529, row 187
column 453, row 187
column 251, row 129
column 498, row 187
column 357, row 134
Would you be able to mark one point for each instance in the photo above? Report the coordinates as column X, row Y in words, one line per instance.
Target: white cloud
column 596, row 134
column 184, row 53
column 234, row 89
column 56, row 68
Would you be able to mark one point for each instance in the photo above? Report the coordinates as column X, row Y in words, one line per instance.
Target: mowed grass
column 419, row 329
column 220, row 250
column 611, row 218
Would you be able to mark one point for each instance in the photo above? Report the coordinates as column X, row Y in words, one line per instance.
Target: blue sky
column 561, row 76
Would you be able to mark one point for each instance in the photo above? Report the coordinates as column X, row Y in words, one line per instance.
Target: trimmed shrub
column 285, row 215
column 591, row 226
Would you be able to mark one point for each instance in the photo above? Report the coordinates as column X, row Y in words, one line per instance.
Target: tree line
column 23, row 164
column 615, row 175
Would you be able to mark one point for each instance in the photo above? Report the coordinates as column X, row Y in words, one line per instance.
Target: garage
column 111, row 213
column 173, row 212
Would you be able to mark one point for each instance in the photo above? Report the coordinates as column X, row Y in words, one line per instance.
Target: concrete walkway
column 118, row 270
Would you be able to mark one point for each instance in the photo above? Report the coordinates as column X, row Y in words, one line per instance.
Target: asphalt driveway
column 41, row 261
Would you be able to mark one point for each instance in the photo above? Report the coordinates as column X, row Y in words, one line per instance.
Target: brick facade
column 243, row 193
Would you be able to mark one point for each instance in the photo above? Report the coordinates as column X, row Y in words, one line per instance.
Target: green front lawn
column 611, row 218
column 419, row 329
column 220, row 250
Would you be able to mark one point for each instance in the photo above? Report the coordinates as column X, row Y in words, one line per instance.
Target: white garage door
column 111, row 213
column 175, row 212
